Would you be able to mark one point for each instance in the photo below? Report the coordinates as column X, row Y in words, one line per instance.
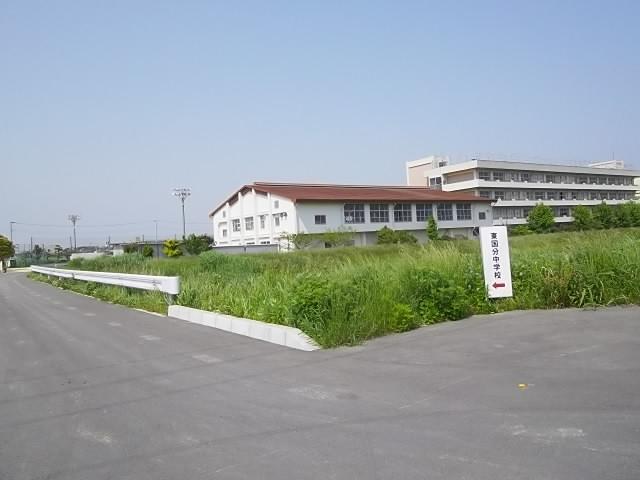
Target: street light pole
column 182, row 194
column 73, row 219
column 11, row 231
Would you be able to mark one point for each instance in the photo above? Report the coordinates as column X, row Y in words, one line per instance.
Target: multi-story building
column 516, row 187
column 264, row 213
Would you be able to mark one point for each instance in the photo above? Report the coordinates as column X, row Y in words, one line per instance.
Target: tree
column 196, row 244
column 582, row 218
column 37, row 250
column 540, row 219
column 171, row 248
column 432, row 229
column 7, row 250
column 58, row 250
column 604, row 216
column 130, row 248
column 147, row 251
column 624, row 215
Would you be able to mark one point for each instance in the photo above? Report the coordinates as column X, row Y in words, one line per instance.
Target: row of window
column 517, row 176
column 249, row 224
column 403, row 212
column 555, row 195
column 523, row 212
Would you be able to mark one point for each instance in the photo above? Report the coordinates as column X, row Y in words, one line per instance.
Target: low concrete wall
column 268, row 332
column 235, row 249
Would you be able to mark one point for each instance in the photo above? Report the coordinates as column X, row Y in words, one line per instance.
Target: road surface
column 90, row 390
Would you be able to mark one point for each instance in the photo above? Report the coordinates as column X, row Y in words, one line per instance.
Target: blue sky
column 106, row 106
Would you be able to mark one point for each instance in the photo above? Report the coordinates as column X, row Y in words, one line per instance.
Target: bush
column 388, row 236
column 147, row 251
column 171, row 248
column 520, row 230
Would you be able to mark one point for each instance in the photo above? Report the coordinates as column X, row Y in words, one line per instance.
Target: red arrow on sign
column 498, row 285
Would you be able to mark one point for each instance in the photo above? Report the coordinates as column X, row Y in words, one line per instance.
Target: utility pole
column 182, row 194
column 11, row 224
column 73, row 219
column 157, row 246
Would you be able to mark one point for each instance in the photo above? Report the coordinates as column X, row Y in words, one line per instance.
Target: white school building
column 516, row 187
column 264, row 213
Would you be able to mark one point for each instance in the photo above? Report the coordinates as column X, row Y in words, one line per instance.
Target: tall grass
column 344, row 296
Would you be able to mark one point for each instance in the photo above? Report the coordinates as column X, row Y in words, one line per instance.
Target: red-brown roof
column 299, row 192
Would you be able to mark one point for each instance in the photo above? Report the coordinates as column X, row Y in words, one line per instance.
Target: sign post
column 494, row 245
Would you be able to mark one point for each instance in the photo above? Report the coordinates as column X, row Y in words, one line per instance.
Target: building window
column 564, row 211
column 235, row 224
column 463, row 211
column 263, row 219
column 482, row 216
column 224, row 233
column 423, row 211
column 276, row 204
column 379, row 213
column 524, row 177
column 445, row 212
column 321, row 219
column 224, row 214
column 276, row 220
column 402, row 212
column 435, row 181
column 539, row 195
column 485, row 194
column 353, row 213
column 551, row 195
column 498, row 195
column 484, row 175
column 248, row 224
column 498, row 176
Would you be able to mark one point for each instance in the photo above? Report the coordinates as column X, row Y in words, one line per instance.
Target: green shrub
column 540, row 219
column 388, row 236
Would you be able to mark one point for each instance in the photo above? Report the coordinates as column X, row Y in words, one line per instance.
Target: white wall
column 253, row 204
column 335, row 218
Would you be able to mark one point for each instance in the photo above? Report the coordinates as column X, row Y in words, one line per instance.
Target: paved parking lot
column 95, row 391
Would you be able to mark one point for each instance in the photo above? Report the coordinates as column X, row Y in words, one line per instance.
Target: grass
column 347, row 295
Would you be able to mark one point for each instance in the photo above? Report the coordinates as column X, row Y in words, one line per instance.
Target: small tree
column 147, row 251
column 301, row 240
column 37, row 250
column 540, row 219
column 130, row 248
column 171, row 248
column 197, row 244
column 432, row 229
column 604, row 216
column 7, row 250
column 582, row 218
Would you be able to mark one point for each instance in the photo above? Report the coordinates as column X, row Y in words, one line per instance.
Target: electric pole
column 11, row 224
column 73, row 219
column 157, row 246
column 182, row 194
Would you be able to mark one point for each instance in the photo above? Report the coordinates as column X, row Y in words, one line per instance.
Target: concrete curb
column 267, row 332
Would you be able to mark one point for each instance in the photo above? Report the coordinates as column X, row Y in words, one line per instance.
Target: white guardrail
column 170, row 285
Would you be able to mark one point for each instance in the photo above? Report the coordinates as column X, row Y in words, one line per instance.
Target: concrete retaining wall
column 268, row 332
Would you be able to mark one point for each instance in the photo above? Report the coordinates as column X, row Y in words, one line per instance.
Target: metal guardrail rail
column 168, row 285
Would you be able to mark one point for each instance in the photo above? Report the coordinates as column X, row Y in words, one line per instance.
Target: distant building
column 264, row 213
column 516, row 187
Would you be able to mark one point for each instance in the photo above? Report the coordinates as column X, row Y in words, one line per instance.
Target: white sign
column 494, row 245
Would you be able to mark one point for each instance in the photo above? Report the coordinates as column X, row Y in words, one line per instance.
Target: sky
column 105, row 107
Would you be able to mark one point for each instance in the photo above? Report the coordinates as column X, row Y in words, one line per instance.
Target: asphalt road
column 95, row 391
